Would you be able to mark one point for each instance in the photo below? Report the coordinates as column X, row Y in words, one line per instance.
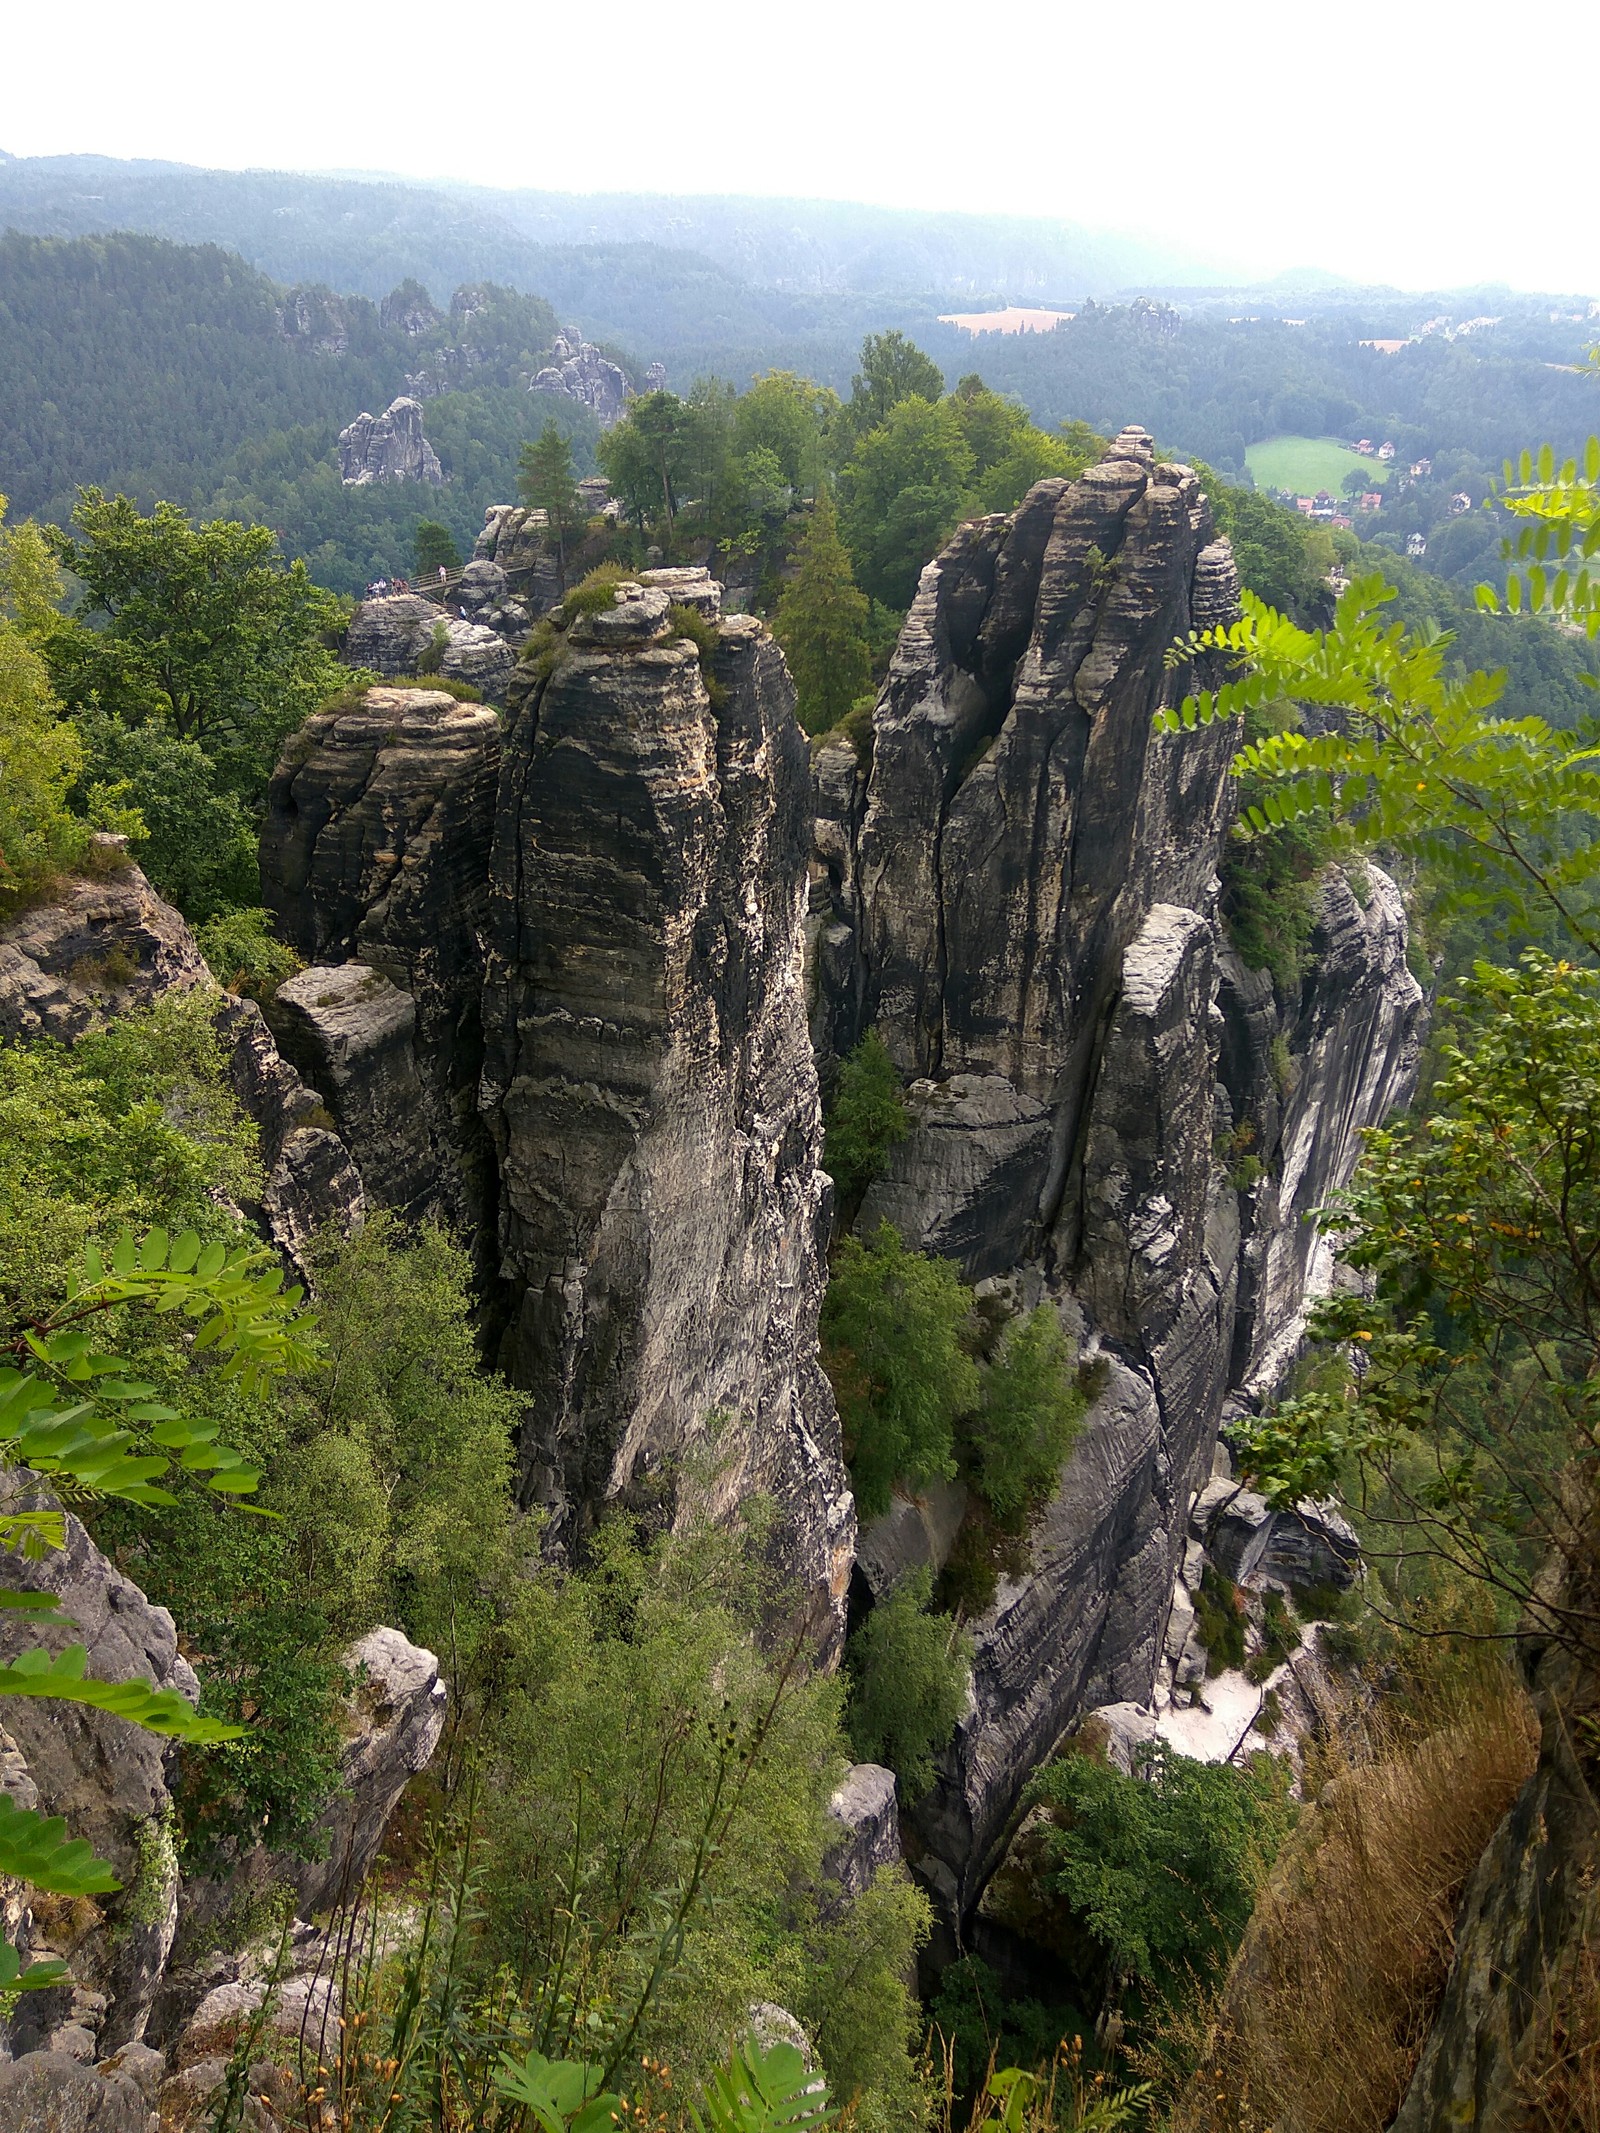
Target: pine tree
column 434, row 545
column 822, row 625
column 545, row 480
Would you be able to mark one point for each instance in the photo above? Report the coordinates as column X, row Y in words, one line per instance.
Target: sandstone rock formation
column 107, row 1777
column 400, row 633
column 865, row 1810
column 578, row 371
column 1021, row 898
column 109, row 946
column 102, row 945
column 375, row 859
column 389, row 447
column 650, row 1089
column 395, row 1715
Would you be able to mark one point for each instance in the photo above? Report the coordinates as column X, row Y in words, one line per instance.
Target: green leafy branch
column 1509, row 808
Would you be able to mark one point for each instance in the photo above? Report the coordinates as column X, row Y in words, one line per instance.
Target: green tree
column 40, row 757
column 196, row 839
column 893, row 369
column 646, row 455
column 909, row 1669
column 903, row 489
column 892, row 1327
column 204, row 628
column 545, row 480
column 1161, row 1870
column 822, row 624
column 792, row 419
column 434, row 548
column 1029, row 1415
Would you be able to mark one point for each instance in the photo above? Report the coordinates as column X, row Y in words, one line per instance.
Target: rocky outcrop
column 374, row 862
column 578, row 371
column 483, row 596
column 1020, row 896
column 394, row 1717
column 109, row 945
column 1303, row 1083
column 102, row 946
column 864, row 1828
column 513, row 539
column 649, row 1085
column 402, row 633
column 106, row 1777
column 388, row 448
column 310, row 1182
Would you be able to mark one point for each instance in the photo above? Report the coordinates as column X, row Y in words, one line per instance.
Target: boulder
column 864, row 1809
column 394, row 1717
column 51, row 2092
column 400, row 633
column 1310, row 1544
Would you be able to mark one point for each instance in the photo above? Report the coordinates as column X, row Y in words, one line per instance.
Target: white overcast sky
column 1385, row 139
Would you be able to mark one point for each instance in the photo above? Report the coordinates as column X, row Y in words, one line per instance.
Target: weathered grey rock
column 353, row 1036
column 374, row 857
column 917, row 1532
column 1309, row 1083
column 394, row 1718
column 51, row 2092
column 578, row 371
column 650, row 1088
column 1313, row 1544
column 689, row 586
column 100, row 947
column 311, row 1184
column 388, row 448
column 1022, row 903
column 106, row 1776
column 398, row 633
column 865, row 1808
column 965, row 1182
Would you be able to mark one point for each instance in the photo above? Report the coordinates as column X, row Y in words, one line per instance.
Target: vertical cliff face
column 374, row 862
column 649, row 1085
column 1021, row 898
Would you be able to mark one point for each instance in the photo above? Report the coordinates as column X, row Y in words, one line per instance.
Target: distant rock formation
column 578, row 371
column 387, row 448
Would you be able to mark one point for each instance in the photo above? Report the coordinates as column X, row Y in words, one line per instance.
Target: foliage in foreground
column 909, row 1671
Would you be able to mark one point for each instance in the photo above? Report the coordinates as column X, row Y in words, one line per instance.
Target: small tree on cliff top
column 545, row 480
column 822, row 624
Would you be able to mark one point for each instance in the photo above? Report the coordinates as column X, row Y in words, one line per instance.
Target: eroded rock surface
column 375, row 860
column 388, row 448
column 649, row 1085
column 399, row 633
column 578, row 371
column 102, row 946
column 1020, row 897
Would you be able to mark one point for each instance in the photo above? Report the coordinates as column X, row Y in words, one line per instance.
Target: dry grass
column 1321, row 2020
column 1559, row 2079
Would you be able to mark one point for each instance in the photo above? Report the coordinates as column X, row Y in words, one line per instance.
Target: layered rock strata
column 1021, row 898
column 578, row 371
column 649, row 1085
column 375, row 856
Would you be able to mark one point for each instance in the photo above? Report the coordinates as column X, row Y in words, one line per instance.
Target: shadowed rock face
column 649, row 1085
column 374, row 862
column 1021, row 899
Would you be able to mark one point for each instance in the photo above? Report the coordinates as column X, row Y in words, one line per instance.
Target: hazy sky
column 1375, row 137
